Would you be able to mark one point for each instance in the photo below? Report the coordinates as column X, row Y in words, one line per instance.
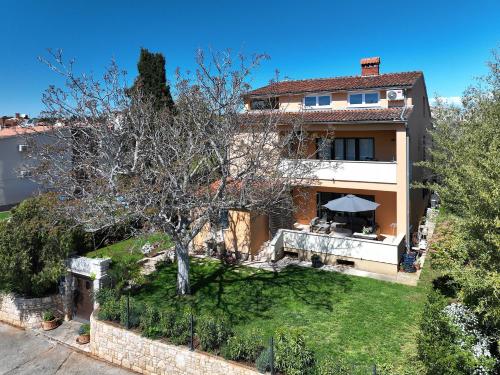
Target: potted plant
column 49, row 321
column 316, row 261
column 83, row 334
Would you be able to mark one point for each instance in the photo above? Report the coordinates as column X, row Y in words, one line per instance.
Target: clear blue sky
column 448, row 40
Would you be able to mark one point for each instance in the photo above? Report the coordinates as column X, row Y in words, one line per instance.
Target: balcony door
column 346, row 149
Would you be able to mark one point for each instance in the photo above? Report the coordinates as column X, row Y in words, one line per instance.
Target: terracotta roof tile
column 405, row 79
column 370, row 60
column 344, row 116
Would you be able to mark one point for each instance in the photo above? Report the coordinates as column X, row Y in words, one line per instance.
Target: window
column 22, row 148
column 264, row 103
column 353, row 149
column 364, row 99
column 313, row 101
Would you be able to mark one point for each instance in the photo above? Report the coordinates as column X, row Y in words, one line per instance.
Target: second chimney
column 370, row 66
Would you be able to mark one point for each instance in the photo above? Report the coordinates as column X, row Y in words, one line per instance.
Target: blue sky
column 450, row 41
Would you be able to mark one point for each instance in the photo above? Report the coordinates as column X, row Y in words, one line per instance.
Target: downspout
column 407, row 188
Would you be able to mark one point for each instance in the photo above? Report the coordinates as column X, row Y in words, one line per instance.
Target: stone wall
column 27, row 312
column 130, row 350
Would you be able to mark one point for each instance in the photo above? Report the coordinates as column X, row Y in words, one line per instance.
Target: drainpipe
column 408, row 166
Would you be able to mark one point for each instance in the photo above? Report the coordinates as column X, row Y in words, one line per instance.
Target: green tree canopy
column 466, row 164
column 152, row 79
column 34, row 244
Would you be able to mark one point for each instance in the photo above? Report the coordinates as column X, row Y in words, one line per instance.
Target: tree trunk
column 182, row 270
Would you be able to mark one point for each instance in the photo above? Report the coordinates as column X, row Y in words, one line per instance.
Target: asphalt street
column 24, row 352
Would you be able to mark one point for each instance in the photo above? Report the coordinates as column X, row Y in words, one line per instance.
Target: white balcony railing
column 345, row 170
column 376, row 251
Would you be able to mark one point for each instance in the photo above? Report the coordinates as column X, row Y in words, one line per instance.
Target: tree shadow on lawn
column 245, row 294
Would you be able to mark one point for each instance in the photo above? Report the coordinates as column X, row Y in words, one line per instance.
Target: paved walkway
column 26, row 352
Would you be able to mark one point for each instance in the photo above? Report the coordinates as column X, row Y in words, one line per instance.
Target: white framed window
column 317, row 101
column 364, row 99
column 22, row 148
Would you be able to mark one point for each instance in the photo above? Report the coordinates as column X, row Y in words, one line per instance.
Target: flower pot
column 83, row 339
column 48, row 325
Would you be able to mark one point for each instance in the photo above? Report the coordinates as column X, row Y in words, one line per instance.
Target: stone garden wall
column 130, row 350
column 27, row 312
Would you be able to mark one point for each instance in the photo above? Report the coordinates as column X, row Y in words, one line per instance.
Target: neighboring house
column 15, row 184
column 371, row 129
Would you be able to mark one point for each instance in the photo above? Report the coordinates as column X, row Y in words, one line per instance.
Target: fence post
column 374, row 369
column 271, row 349
column 191, row 326
column 128, row 310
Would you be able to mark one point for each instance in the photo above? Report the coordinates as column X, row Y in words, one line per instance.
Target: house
column 366, row 132
column 15, row 142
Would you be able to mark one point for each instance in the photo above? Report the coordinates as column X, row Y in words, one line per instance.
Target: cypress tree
column 152, row 79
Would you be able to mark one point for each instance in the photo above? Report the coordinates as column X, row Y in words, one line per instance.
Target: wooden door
column 84, row 302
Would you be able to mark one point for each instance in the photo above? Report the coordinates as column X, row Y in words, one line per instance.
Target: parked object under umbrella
column 351, row 203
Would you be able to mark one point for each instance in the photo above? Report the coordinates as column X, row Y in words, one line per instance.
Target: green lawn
column 361, row 319
column 4, row 215
column 130, row 248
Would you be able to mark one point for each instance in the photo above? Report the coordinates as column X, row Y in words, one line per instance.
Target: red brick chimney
column 370, row 66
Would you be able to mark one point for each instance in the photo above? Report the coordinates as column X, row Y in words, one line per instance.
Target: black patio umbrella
column 351, row 203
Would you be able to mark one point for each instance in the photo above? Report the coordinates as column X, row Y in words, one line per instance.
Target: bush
column 176, row 325
column 444, row 347
column 213, row 332
column 109, row 306
column 292, row 356
column 263, row 361
column 244, row 346
column 34, row 245
column 150, row 322
column 135, row 312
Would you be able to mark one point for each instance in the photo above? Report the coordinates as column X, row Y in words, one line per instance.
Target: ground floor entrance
column 83, row 297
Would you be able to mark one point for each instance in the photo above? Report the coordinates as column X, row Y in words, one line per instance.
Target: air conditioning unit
column 395, row 95
column 22, row 148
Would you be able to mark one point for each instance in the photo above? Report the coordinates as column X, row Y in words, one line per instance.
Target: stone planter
column 83, row 339
column 48, row 325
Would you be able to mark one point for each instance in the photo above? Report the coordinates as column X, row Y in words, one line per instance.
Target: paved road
column 23, row 352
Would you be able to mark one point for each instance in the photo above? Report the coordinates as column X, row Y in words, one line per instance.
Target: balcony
column 389, row 251
column 345, row 170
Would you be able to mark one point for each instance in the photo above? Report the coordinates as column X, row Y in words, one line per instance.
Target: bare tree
column 119, row 156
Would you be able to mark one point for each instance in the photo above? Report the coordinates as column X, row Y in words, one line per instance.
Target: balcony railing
column 345, row 170
column 376, row 251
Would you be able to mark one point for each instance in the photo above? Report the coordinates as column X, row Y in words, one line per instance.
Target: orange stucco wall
column 386, row 214
column 246, row 233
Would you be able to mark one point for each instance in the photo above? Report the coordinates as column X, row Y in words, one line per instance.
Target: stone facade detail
column 132, row 351
column 28, row 312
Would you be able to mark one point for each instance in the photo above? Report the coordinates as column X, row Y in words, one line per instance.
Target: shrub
column 48, row 316
column 446, row 348
column 150, row 322
column 263, row 361
column 291, row 353
column 176, row 325
column 84, row 329
column 245, row 346
column 109, row 306
column 34, row 245
column 213, row 331
column 135, row 312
